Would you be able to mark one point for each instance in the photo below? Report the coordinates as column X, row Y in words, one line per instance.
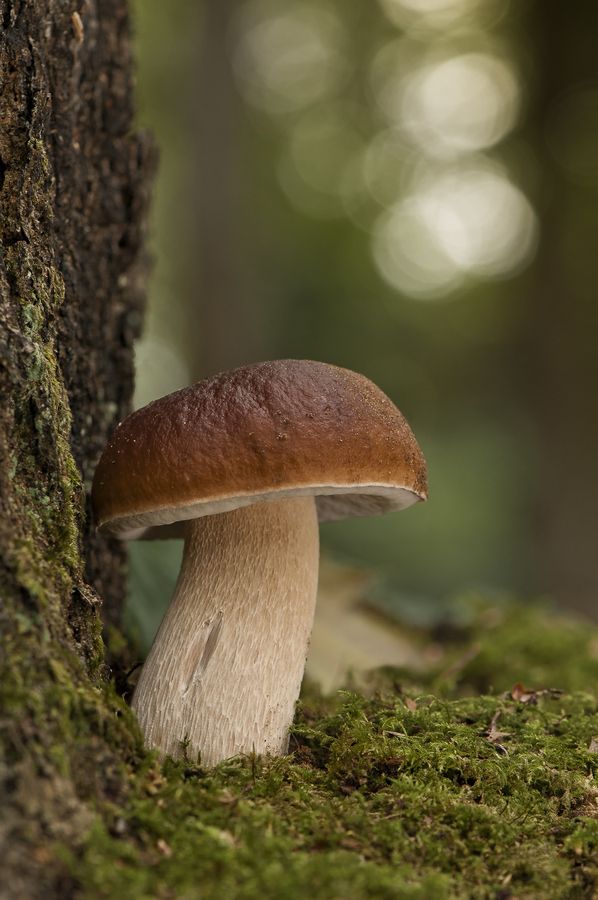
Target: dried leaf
column 593, row 748
column 410, row 704
column 519, row 693
column 494, row 736
column 526, row 695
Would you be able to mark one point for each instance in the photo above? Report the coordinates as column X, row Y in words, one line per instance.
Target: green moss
column 398, row 794
column 51, row 500
column 497, row 645
column 58, row 718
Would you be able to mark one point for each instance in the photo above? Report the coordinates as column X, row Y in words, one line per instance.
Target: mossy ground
column 450, row 783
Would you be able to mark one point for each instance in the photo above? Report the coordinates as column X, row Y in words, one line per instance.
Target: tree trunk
column 560, row 362
column 73, row 196
column 228, row 323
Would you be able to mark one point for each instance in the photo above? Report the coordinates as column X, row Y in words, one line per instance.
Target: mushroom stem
column 225, row 669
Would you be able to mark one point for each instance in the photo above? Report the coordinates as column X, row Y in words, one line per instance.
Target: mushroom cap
column 268, row 431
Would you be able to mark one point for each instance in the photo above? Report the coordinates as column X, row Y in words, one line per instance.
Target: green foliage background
column 496, row 374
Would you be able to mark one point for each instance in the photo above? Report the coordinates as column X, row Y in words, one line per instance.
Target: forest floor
column 473, row 778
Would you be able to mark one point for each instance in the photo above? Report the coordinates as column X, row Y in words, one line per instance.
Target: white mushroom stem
column 226, row 666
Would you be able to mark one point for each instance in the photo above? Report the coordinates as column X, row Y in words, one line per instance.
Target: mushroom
column 242, row 465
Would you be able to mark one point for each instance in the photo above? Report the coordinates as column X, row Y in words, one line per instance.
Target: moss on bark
column 73, row 187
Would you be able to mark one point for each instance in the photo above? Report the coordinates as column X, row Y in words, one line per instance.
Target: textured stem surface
column 226, row 666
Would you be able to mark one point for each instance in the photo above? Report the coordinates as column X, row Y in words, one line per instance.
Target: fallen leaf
column 526, row 695
column 494, row 736
column 593, row 748
column 519, row 693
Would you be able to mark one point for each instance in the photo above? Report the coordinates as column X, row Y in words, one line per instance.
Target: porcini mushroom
column 243, row 465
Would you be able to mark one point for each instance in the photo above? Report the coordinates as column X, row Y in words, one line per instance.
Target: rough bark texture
column 73, row 195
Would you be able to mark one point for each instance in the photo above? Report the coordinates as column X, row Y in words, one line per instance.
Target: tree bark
column 559, row 358
column 73, row 197
column 228, row 325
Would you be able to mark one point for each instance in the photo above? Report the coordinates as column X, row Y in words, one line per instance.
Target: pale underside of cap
column 333, row 502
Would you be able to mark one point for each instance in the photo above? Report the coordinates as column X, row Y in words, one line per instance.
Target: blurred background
column 408, row 188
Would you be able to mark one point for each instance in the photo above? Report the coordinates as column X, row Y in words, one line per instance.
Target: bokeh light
column 286, row 59
column 430, row 13
column 461, row 104
column 407, row 254
column 469, row 220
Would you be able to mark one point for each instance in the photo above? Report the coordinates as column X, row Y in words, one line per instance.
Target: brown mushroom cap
column 262, row 432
